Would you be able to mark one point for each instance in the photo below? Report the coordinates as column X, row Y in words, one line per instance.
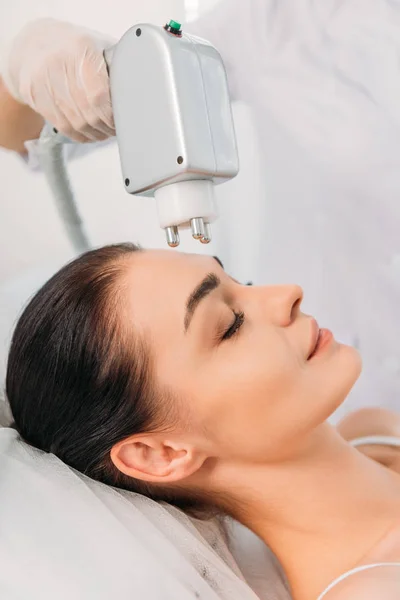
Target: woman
column 322, row 82
column 157, row 372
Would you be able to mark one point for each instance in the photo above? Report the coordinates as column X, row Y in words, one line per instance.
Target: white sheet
column 65, row 536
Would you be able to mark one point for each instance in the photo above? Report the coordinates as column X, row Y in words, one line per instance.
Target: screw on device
column 174, row 27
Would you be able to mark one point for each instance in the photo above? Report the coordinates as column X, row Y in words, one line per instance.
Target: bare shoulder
column 370, row 422
column 379, row 583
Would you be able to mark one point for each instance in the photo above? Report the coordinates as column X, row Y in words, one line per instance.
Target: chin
column 343, row 371
column 353, row 359
column 350, row 367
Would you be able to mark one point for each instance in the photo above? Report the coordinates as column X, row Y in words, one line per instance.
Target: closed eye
column 235, row 325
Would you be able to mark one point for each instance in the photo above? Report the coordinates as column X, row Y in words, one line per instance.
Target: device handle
column 54, row 165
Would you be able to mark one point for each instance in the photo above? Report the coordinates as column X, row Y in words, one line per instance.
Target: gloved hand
column 58, row 70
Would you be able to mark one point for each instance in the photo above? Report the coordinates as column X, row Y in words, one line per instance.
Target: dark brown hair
column 77, row 381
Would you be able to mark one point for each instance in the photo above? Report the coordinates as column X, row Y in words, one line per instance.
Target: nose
column 282, row 303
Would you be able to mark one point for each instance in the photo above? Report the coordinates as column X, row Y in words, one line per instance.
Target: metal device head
column 174, row 124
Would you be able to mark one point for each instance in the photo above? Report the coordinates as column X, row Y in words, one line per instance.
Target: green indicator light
column 174, row 25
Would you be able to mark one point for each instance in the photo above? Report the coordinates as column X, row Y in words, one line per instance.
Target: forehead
column 157, row 286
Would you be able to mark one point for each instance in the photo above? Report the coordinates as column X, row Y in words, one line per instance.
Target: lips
column 315, row 335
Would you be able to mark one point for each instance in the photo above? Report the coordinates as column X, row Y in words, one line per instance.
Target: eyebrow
column 205, row 287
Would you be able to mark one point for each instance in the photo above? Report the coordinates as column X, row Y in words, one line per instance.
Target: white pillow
column 65, row 536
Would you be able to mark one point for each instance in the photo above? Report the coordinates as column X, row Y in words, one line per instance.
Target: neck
column 321, row 512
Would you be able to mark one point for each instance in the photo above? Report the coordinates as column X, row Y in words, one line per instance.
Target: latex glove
column 58, row 70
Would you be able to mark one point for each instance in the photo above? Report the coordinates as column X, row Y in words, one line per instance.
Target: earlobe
column 156, row 460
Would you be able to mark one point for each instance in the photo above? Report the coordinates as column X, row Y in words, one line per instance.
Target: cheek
column 180, row 376
column 261, row 405
column 248, row 408
column 243, row 388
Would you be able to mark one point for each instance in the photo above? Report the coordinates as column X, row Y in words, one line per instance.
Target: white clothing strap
column 376, row 440
column 354, row 572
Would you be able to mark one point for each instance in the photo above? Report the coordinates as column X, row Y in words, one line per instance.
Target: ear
column 156, row 459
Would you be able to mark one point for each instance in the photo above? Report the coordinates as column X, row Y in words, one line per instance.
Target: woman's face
column 236, row 357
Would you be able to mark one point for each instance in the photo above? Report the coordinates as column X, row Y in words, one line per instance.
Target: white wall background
column 32, row 239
